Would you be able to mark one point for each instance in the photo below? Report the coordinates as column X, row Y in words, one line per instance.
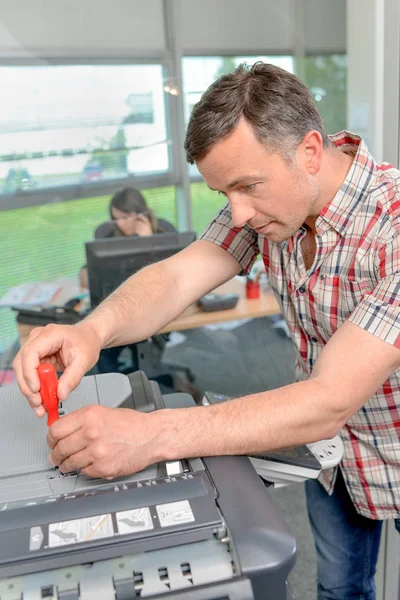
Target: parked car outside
column 92, row 171
column 18, row 179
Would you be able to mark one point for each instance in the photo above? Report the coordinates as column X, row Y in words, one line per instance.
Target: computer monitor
column 111, row 261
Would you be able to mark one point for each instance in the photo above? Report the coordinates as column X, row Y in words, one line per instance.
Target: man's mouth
column 262, row 228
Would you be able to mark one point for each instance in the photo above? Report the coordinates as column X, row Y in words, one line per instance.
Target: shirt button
column 314, row 340
column 302, row 289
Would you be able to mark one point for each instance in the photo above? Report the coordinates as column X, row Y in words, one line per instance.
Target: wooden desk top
column 193, row 317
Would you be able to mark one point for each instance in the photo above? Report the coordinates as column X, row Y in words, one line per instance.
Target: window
column 47, row 242
column 326, row 78
column 199, row 72
column 205, row 205
column 77, row 124
column 198, row 75
column 141, row 108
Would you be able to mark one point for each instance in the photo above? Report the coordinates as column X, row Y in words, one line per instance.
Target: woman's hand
column 142, row 226
column 135, row 224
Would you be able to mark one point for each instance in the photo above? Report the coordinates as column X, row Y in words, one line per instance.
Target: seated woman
column 130, row 216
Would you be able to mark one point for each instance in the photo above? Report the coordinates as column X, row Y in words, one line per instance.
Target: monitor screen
column 111, row 261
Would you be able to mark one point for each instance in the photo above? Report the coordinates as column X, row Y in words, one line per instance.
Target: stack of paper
column 30, row 294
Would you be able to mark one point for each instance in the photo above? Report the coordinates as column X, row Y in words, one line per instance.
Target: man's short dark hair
column 276, row 103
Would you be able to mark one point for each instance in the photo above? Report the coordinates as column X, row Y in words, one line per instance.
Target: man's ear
column 311, row 150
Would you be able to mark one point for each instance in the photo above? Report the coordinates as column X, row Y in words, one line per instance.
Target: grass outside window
column 46, row 242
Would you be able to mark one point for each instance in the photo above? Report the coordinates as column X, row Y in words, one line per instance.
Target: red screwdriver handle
column 48, row 390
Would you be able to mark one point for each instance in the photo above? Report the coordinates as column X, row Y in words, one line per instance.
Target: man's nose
column 241, row 212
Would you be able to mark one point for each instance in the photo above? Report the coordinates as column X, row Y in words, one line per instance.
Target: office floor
column 250, row 358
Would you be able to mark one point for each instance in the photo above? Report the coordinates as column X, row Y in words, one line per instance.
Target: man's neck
column 334, row 170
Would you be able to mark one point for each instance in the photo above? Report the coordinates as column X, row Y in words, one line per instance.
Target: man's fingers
column 76, row 462
column 30, row 386
column 40, row 411
column 64, row 427
column 67, row 447
column 91, row 471
column 70, row 378
column 34, row 398
column 38, row 347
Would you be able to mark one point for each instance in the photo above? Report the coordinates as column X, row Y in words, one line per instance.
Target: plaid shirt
column 355, row 276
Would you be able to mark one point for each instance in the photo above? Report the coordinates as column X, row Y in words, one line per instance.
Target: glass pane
column 205, row 205
column 326, row 78
column 199, row 72
column 71, row 124
column 46, row 242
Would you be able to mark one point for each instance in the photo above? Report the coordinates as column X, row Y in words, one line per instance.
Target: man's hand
column 103, row 442
column 73, row 349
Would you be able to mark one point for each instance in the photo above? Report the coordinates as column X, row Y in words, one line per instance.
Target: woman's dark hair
column 129, row 200
column 277, row 105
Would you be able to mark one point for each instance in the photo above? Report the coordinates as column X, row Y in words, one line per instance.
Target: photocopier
column 196, row 529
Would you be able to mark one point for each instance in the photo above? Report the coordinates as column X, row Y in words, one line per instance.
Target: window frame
column 34, row 197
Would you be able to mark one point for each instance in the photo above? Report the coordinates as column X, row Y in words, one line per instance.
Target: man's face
column 264, row 192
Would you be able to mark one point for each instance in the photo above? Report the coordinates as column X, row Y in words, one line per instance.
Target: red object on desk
column 48, row 390
column 252, row 290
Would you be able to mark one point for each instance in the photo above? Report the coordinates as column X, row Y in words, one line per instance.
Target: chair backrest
column 105, row 230
column 108, row 229
column 166, row 226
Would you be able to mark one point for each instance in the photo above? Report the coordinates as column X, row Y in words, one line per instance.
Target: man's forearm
column 152, row 298
column 282, row 418
column 140, row 307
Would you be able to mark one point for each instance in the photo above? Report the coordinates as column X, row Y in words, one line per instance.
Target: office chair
column 108, row 229
column 147, row 355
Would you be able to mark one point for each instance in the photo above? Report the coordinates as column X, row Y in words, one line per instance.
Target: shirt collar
column 339, row 212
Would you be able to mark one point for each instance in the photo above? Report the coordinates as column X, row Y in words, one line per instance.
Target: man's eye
column 249, row 188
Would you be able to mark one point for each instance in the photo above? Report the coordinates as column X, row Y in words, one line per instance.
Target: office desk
column 69, row 288
column 193, row 317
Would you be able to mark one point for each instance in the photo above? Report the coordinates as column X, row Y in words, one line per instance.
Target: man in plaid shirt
column 326, row 219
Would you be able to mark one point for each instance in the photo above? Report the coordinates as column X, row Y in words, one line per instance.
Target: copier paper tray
column 200, row 529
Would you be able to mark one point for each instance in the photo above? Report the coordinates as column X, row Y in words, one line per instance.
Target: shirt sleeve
column 240, row 242
column 379, row 310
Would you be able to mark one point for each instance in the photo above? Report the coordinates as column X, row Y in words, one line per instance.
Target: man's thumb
column 69, row 380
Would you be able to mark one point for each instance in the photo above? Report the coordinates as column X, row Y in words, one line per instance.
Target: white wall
column 361, row 82
column 122, row 28
column 373, row 74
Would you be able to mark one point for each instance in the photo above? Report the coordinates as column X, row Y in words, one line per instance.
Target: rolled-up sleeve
column 240, row 242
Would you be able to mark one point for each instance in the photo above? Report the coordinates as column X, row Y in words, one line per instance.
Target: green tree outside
column 326, row 78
